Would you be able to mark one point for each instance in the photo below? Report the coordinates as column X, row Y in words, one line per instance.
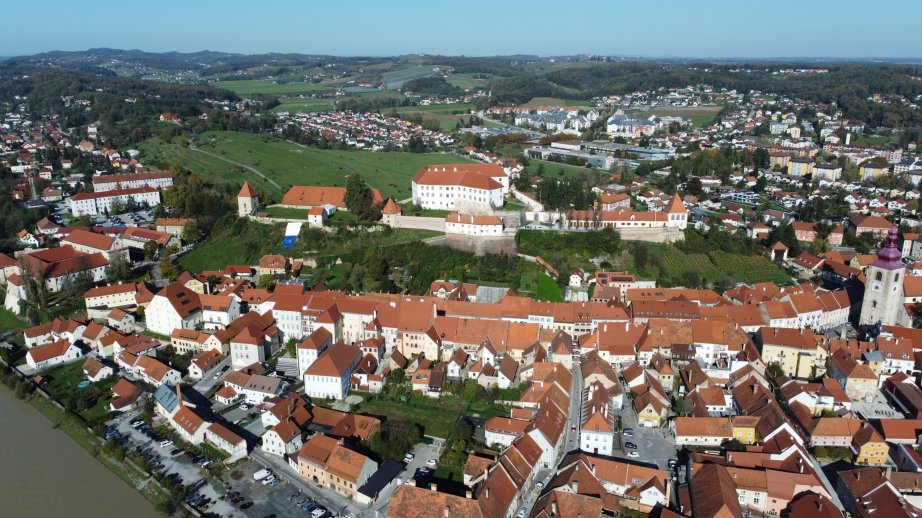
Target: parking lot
column 129, row 219
column 177, row 464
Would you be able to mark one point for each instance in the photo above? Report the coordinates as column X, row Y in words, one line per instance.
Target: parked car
column 431, row 463
column 628, row 431
column 165, row 443
column 174, row 451
column 236, row 501
column 408, row 457
column 630, row 446
column 246, row 505
column 633, row 454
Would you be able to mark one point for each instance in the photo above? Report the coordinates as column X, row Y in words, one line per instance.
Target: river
column 46, row 473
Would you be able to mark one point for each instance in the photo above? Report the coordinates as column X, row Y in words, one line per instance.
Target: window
column 878, row 276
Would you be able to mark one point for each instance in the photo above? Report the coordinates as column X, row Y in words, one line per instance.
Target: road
column 205, row 384
column 482, row 115
column 570, row 441
column 238, row 164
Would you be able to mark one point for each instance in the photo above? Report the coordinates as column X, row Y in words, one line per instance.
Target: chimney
column 434, row 486
column 468, row 494
column 412, row 482
column 887, row 474
column 575, row 486
column 447, row 511
column 486, row 493
column 554, row 508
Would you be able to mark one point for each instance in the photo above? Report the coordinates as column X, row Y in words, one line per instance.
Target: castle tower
column 676, row 213
column 883, row 290
column 247, row 201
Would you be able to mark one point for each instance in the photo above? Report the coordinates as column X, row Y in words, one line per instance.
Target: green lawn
column 9, row 321
column 286, row 212
column 436, row 416
column 64, row 380
column 269, row 86
column 548, row 289
column 289, row 164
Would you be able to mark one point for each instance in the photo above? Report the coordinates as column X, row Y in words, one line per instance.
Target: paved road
column 238, row 164
column 209, row 381
column 570, row 442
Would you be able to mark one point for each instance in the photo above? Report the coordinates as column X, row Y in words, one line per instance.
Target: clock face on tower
column 876, row 286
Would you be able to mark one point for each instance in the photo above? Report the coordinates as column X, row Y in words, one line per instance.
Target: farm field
column 699, row 115
column 269, row 86
column 290, row 164
column 668, row 265
column 304, row 104
column 467, row 81
column 535, row 102
column 396, row 78
column 448, row 115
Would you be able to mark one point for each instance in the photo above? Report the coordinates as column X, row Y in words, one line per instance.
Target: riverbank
column 77, row 430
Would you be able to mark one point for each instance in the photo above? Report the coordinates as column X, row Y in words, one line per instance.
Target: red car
column 236, row 501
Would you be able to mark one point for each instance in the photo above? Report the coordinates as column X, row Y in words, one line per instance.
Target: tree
column 118, row 270
column 191, row 232
column 150, row 249
column 692, row 279
column 761, row 158
column 358, row 198
column 693, row 186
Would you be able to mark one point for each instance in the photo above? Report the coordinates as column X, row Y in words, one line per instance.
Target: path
column 238, row 164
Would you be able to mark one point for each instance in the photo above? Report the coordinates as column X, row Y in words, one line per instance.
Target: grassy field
column 304, row 104
column 548, row 289
column 467, row 81
column 436, row 416
column 552, row 168
column 536, row 102
column 9, row 321
column 269, row 86
column 699, row 115
column 289, row 164
column 446, row 114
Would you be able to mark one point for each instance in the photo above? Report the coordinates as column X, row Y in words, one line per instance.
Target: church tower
column 247, row 201
column 883, row 289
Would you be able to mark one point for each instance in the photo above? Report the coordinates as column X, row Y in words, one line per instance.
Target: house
column 471, row 225
column 869, row 447
column 347, row 470
column 56, row 353
column 60, row 266
column 471, row 188
column 120, row 320
column 91, row 243
column 329, row 376
column 226, row 441
column 503, row 431
column 282, row 439
column 94, row 370
column 148, row 369
column 173, row 307
column 306, row 197
column 701, row 431
column 204, row 363
column 858, row 380
column 273, row 265
column 254, row 388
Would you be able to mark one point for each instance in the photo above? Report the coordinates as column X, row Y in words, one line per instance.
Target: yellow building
column 799, row 353
column 744, row 429
column 873, row 170
column 869, row 447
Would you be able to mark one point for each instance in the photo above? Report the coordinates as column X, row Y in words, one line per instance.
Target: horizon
column 709, row 30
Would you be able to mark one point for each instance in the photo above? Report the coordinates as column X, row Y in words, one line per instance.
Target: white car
column 633, row 454
column 268, row 480
column 409, row 457
column 244, row 406
column 165, row 443
column 431, row 463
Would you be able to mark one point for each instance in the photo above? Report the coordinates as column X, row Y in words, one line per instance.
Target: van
column 261, row 474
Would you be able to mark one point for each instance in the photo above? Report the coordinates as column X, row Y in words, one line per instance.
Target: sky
column 639, row 28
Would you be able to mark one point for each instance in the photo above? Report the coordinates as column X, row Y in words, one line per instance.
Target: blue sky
column 654, row 28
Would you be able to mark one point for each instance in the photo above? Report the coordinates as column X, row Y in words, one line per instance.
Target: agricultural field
column 555, row 101
column 448, row 115
column 270, row 87
column 290, row 164
column 699, row 115
column 750, row 269
column 395, row 79
column 304, row 104
column 468, row 81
